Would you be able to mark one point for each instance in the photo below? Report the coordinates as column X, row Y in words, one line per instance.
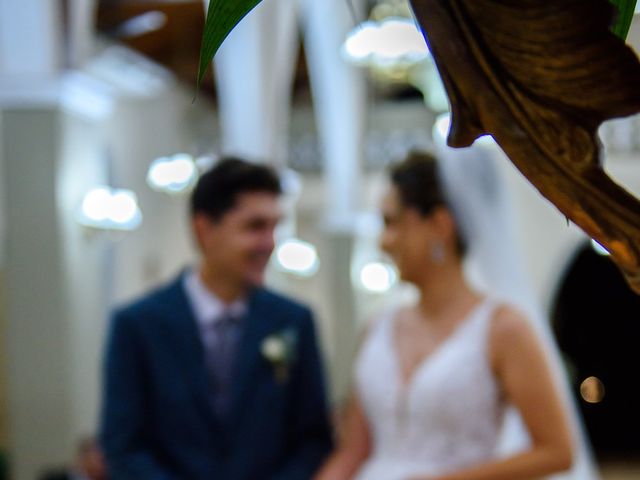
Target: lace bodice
column 448, row 416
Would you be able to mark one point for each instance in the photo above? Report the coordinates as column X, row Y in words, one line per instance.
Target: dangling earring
column 437, row 253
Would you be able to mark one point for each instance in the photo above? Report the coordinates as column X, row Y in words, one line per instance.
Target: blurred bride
column 437, row 382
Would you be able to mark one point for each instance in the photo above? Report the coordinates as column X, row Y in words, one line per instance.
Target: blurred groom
column 213, row 377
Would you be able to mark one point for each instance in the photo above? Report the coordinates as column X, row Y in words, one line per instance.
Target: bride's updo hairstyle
column 419, row 185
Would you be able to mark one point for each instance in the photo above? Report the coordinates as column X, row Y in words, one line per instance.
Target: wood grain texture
column 540, row 76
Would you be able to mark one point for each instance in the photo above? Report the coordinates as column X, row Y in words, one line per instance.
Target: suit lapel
column 189, row 348
column 261, row 321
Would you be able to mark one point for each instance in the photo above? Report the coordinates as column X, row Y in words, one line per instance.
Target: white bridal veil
column 481, row 205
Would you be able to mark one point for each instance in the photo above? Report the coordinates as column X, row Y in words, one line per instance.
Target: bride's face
column 407, row 237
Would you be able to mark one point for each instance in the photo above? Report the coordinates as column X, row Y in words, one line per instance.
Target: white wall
column 82, row 256
column 37, row 342
column 63, row 279
column 142, row 130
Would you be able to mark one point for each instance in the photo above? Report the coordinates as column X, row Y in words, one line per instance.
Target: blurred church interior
column 102, row 133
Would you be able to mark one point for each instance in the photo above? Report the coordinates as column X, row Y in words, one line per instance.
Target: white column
column 3, row 203
column 38, row 403
column 254, row 70
column 38, row 378
column 52, row 323
column 339, row 96
column 81, row 30
column 54, row 288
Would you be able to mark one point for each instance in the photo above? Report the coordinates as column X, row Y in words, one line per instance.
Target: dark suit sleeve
column 309, row 427
column 123, row 422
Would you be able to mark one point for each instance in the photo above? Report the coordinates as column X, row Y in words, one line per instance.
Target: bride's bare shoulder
column 507, row 320
column 510, row 331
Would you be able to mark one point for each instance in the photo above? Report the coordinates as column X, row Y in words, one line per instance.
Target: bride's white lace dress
column 446, row 417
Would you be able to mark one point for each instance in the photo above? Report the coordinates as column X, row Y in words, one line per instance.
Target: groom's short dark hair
column 218, row 189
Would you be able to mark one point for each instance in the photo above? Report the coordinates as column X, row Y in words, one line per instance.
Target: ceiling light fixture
column 106, row 208
column 388, row 43
column 377, row 277
column 174, row 174
column 297, row 257
column 141, row 24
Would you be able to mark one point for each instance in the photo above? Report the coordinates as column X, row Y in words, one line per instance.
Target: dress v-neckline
column 406, row 384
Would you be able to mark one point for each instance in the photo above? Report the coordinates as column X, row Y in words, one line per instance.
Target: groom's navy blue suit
column 158, row 422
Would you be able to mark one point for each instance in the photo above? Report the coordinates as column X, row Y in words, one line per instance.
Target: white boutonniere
column 279, row 350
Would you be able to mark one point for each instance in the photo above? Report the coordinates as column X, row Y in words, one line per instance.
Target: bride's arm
column 520, row 363
column 353, row 447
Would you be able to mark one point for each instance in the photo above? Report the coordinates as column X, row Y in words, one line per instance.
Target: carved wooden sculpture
column 540, row 76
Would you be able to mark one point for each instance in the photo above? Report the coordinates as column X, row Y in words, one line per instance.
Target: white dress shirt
column 207, row 307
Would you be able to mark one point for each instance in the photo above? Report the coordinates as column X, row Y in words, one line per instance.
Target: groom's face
column 237, row 247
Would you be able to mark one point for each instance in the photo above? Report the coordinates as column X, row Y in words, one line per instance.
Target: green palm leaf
column 626, row 9
column 222, row 17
